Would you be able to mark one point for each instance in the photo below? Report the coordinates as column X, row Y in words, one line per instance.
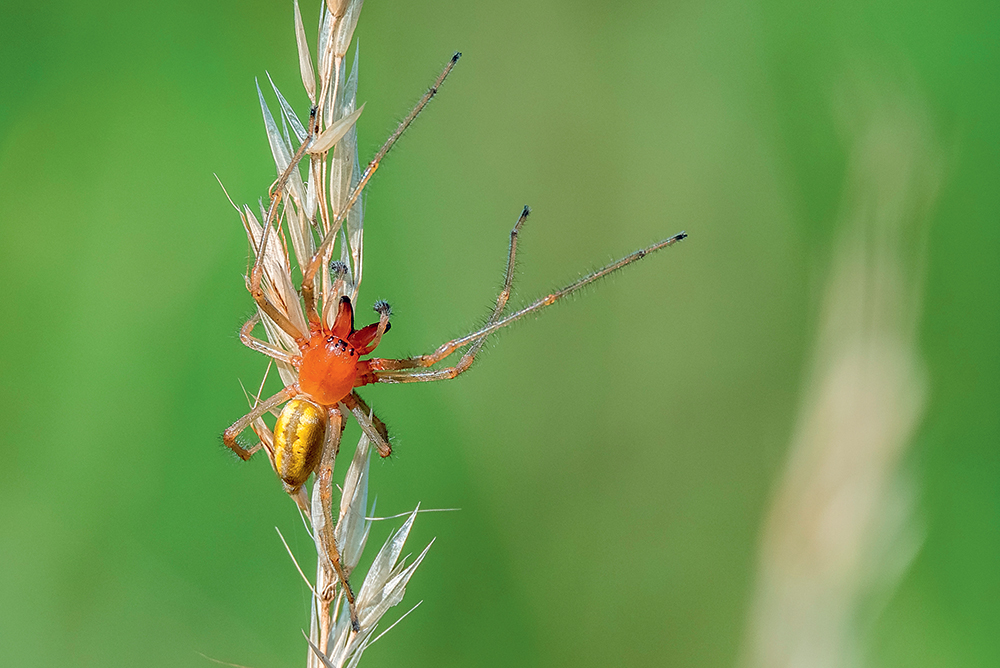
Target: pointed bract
column 332, row 134
column 345, row 29
column 352, row 527
column 289, row 114
column 305, row 60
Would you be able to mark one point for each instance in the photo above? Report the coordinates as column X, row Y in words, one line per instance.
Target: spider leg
column 263, row 346
column 373, row 427
column 229, row 436
column 502, row 298
column 408, row 370
column 508, row 281
column 276, row 192
column 259, row 427
column 326, row 540
column 308, row 276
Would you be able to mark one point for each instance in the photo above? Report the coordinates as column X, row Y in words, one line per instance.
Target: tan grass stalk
column 313, row 227
column 310, row 209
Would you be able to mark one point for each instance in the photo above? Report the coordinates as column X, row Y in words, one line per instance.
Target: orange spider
column 329, row 363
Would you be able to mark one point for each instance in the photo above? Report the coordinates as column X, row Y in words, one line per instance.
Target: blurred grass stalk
column 310, row 208
column 841, row 530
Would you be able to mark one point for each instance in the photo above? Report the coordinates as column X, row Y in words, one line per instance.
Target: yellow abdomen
column 299, row 435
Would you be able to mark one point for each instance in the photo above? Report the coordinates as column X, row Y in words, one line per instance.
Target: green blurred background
column 613, row 459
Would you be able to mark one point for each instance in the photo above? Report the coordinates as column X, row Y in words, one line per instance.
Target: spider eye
column 329, row 339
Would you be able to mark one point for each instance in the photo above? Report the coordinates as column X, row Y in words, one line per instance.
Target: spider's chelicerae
column 329, row 364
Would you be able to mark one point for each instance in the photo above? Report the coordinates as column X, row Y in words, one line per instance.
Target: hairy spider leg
column 366, row 374
column 373, row 427
column 324, row 473
column 508, row 281
column 253, row 343
column 276, row 191
column 410, row 370
column 309, row 274
column 327, row 538
column 229, row 436
column 259, row 427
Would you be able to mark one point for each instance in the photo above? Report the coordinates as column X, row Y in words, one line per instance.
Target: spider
column 329, row 362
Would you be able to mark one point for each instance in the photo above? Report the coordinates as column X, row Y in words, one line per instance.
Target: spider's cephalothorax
column 330, row 366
